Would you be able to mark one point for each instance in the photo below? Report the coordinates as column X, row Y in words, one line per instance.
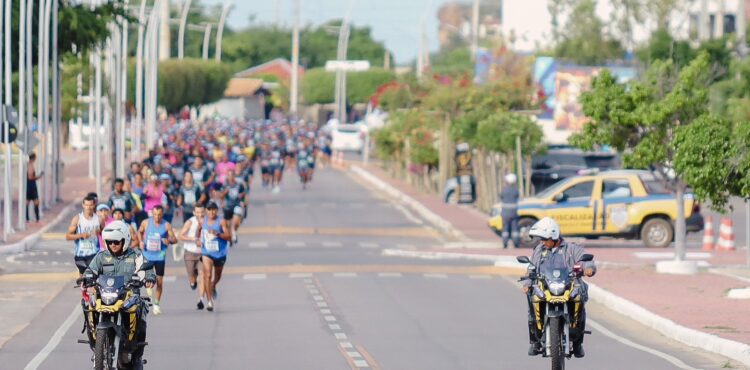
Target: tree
column 318, row 85
column 644, row 119
column 584, row 39
column 190, row 82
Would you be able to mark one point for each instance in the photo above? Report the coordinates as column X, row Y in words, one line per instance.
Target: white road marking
column 330, row 318
column 318, row 298
column 354, row 354
column 325, row 311
column 295, row 244
column 41, row 262
column 344, row 274
column 322, row 304
column 170, row 279
column 340, row 336
column 58, row 253
column 435, row 276
column 409, row 216
column 54, row 263
column 346, row 345
column 670, row 255
column 254, row 276
column 55, row 340
column 405, row 246
column 10, row 259
column 32, row 254
column 369, row 245
column 67, row 264
column 671, row 359
column 390, row 274
column 334, row 326
column 332, row 244
column 361, row 363
column 313, row 291
column 298, row 275
column 45, row 253
column 257, row 245
column 480, row 277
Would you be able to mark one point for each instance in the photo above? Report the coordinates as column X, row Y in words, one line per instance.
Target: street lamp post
column 56, row 117
column 7, row 230
column 206, row 41
column 22, row 113
column 295, row 61
column 220, row 31
column 139, row 82
column 181, row 34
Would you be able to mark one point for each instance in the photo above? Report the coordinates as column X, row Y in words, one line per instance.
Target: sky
column 394, row 22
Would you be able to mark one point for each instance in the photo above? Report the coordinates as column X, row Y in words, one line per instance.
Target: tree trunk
column 444, row 156
column 679, row 229
column 527, row 172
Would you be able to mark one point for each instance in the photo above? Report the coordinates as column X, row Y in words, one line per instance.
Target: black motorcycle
column 554, row 286
column 112, row 316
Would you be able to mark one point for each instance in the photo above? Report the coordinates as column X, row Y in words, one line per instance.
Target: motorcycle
column 111, row 314
column 554, row 287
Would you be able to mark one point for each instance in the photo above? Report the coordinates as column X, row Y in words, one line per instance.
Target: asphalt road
column 308, row 288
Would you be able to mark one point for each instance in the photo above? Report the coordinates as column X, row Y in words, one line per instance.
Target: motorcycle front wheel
column 556, row 348
column 104, row 349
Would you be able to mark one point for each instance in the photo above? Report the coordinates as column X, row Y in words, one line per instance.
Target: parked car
column 625, row 203
column 348, row 137
column 561, row 163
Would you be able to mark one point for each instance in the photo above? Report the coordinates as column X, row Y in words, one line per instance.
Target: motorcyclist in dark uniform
column 553, row 247
column 121, row 260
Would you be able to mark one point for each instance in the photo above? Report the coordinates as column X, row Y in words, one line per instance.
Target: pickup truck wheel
column 657, row 233
column 524, row 225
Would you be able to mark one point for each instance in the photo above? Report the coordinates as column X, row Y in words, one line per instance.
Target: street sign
column 347, row 65
column 12, row 132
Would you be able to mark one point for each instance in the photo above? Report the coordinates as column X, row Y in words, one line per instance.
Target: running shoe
column 200, row 304
column 210, row 306
column 157, row 309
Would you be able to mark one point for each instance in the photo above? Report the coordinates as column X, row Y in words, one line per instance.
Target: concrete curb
column 691, row 337
column 441, row 223
column 28, row 241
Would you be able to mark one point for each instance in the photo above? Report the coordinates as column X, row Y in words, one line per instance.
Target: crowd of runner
column 202, row 174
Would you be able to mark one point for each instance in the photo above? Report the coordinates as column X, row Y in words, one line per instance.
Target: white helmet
column 546, row 228
column 510, row 178
column 117, row 230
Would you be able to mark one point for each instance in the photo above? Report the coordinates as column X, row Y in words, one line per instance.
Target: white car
column 348, row 137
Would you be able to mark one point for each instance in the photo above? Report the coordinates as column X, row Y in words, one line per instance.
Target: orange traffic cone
column 708, row 234
column 726, row 235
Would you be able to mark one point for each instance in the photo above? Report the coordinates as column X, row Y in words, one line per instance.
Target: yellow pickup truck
column 625, row 203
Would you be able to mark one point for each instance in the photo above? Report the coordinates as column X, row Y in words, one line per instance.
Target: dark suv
column 558, row 164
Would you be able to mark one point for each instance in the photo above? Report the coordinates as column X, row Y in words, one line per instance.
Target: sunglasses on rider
column 114, row 242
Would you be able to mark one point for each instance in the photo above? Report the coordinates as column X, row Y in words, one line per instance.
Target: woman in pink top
column 224, row 167
column 153, row 193
column 103, row 211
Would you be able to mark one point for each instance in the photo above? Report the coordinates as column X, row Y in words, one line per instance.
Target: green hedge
column 318, row 85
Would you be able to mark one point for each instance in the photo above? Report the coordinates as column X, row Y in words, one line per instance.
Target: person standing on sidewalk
column 191, row 237
column 215, row 237
column 84, row 230
column 157, row 235
column 509, row 212
column 32, row 193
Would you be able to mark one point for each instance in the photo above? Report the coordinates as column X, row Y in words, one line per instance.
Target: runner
column 190, row 235
column 190, row 194
column 84, row 230
column 121, row 199
column 102, row 210
column 234, row 205
column 157, row 234
column 215, row 236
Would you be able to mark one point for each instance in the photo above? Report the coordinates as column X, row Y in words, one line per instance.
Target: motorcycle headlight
column 109, row 298
column 556, row 288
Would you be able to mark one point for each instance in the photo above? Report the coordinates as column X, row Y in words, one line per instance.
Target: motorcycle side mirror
column 587, row 257
column 523, row 259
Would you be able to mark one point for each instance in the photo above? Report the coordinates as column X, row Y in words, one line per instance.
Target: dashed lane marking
column 344, row 274
column 361, row 363
column 296, row 244
column 415, row 232
column 334, row 326
column 390, row 274
column 297, row 275
column 254, row 276
column 332, row 244
column 435, row 276
column 353, row 354
column 340, row 336
column 346, row 345
column 369, row 245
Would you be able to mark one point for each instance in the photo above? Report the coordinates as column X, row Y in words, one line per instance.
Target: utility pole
column 164, row 37
column 295, row 61
column 56, row 117
column 475, row 29
column 181, row 34
column 47, row 164
column 123, row 95
column 341, row 75
column 139, row 82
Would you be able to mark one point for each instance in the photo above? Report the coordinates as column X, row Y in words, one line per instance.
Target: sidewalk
column 696, row 302
column 76, row 184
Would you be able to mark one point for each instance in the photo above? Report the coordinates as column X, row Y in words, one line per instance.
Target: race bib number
column 119, row 203
column 88, row 247
column 303, row 163
column 211, row 243
column 234, row 193
column 190, row 197
column 153, row 243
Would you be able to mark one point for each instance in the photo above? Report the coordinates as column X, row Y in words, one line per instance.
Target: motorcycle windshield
column 554, row 268
column 110, row 283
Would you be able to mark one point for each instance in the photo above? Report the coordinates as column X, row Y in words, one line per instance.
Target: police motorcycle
column 555, row 286
column 113, row 309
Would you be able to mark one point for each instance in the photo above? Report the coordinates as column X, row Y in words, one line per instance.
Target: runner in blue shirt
column 156, row 234
column 215, row 237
